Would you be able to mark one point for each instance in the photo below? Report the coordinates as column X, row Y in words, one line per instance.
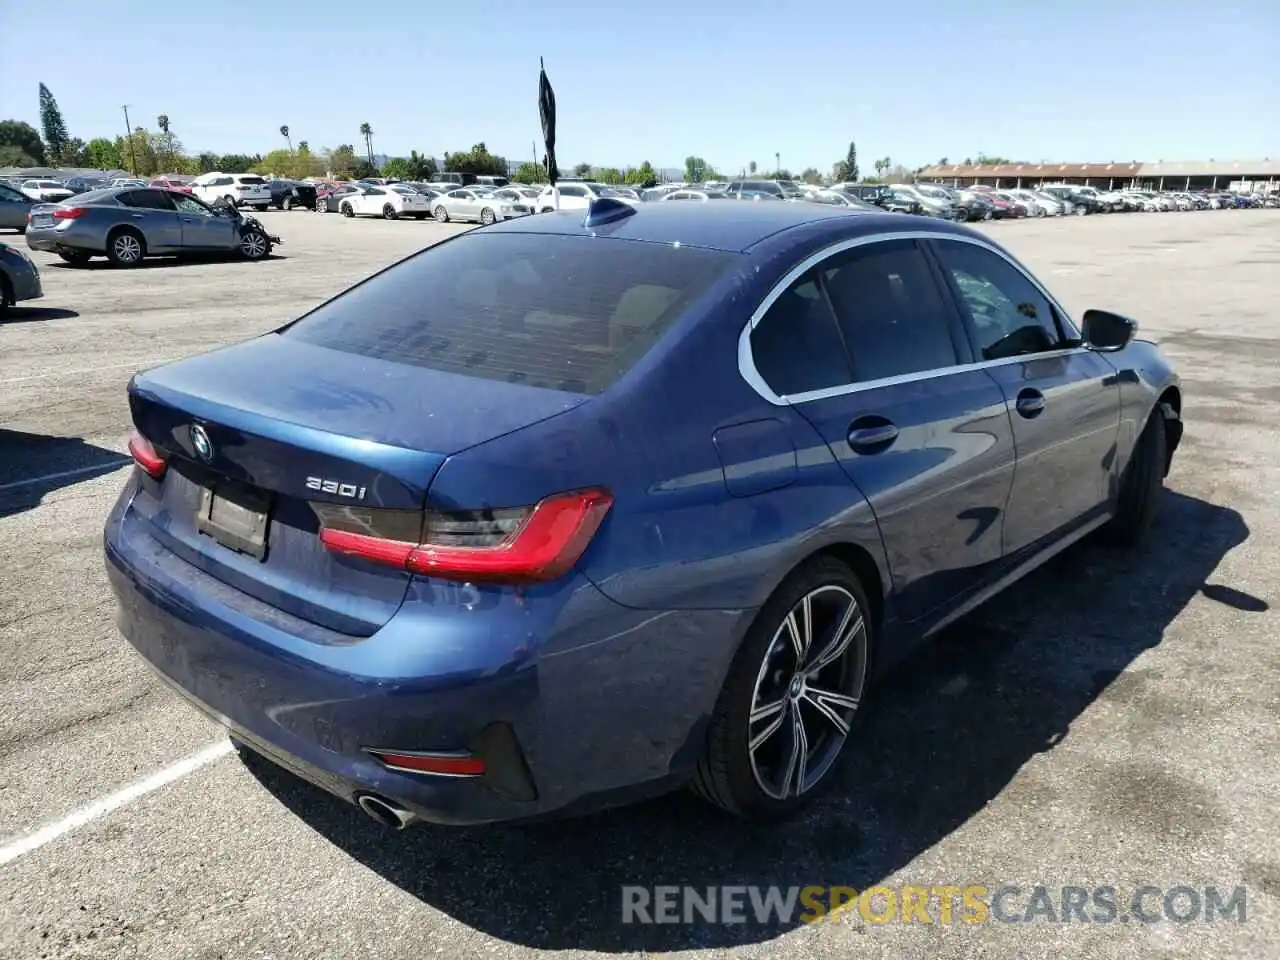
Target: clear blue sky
column 729, row 80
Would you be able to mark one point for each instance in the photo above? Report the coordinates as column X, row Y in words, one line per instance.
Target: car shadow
column 22, row 314
column 33, row 465
column 943, row 736
column 159, row 263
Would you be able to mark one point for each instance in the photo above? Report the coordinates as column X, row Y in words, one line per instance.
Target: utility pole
column 128, row 135
column 777, row 164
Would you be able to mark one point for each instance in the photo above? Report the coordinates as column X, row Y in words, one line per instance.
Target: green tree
column 363, row 169
column 236, row 163
column 643, row 175
column 366, row 131
column 751, row 168
column 102, row 154
column 55, row 130
column 207, row 162
column 985, row 160
column 20, row 144
column 397, row 168
column 582, row 171
column 784, row 174
column 73, row 153
column 610, row 175
column 529, row 172
column 695, row 169
column 138, row 152
column 811, row 176
column 284, row 132
column 277, row 162
column 848, row 168
column 943, row 161
column 342, row 160
column 477, row 160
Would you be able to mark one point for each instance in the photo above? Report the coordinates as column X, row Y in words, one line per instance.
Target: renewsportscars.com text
column 935, row 904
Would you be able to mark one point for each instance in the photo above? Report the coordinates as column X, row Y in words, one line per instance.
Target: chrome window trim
column 746, row 361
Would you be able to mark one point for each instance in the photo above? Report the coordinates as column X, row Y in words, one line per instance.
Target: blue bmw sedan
column 570, row 509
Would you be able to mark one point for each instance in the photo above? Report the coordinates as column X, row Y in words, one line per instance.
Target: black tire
column 22, row 229
column 76, row 258
column 346, row 210
column 255, row 245
column 126, row 247
column 261, row 207
column 389, row 212
column 6, row 295
column 441, row 214
column 1142, row 484
column 727, row 775
column 286, row 203
column 487, row 216
column 548, row 209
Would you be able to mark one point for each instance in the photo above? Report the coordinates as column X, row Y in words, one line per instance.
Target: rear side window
column 891, row 311
column 147, row 199
column 796, row 345
column 562, row 312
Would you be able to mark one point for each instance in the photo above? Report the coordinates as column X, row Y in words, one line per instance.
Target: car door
column 869, row 349
column 1063, row 399
column 152, row 212
column 13, row 208
column 202, row 229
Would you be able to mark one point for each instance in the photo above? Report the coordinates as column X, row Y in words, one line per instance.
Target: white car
column 240, row 189
column 390, row 202
column 479, row 204
column 575, row 195
column 46, row 191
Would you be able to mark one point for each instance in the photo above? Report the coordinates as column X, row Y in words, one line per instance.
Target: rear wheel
column 126, row 248
column 389, row 212
column 347, row 211
column 286, row 203
column 76, row 257
column 487, row 216
column 441, row 214
column 6, row 295
column 792, row 695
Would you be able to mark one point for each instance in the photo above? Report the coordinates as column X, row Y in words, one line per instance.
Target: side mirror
column 1107, row 331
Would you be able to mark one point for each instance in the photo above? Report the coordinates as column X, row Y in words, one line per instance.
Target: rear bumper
column 71, row 237
column 605, row 703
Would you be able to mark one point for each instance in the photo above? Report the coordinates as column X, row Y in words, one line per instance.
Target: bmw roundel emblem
column 200, row 443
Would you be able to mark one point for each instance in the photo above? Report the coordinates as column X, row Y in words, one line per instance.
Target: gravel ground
column 1111, row 721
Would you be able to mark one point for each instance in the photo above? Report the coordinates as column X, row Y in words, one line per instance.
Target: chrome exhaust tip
column 385, row 812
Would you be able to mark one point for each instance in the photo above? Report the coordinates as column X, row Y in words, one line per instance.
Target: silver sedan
column 19, row 278
column 479, row 206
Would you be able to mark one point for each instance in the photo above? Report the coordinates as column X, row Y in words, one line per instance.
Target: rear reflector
column 146, row 456
column 442, row 764
column 69, row 213
column 529, row 544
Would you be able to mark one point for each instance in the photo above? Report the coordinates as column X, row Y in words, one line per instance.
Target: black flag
column 547, row 111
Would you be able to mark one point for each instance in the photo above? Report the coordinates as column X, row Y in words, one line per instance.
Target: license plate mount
column 235, row 516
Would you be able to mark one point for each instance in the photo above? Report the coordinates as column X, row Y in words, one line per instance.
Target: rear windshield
column 252, row 180
column 562, row 312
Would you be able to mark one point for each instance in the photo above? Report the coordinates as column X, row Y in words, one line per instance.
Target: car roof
column 732, row 226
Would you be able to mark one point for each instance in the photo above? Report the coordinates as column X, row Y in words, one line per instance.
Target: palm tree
column 366, row 131
column 284, row 132
column 162, row 122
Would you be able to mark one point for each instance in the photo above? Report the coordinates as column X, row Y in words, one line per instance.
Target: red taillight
column 147, row 457
column 543, row 544
column 69, row 213
column 443, row 764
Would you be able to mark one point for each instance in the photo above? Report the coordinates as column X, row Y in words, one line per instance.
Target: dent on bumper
column 613, row 701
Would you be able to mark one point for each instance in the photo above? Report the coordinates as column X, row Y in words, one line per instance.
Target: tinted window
column 796, row 345
column 252, row 180
column 13, row 195
column 572, row 192
column 566, row 312
column 150, row 199
column 893, row 315
column 1010, row 316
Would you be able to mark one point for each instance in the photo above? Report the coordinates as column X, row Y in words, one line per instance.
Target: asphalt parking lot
column 1112, row 720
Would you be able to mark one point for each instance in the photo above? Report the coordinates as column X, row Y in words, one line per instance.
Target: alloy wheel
column 253, row 245
column 127, row 248
column 806, row 692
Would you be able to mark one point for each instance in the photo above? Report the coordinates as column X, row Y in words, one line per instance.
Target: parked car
column 288, row 194
column 477, row 206
column 330, row 200
column 19, row 278
column 178, row 185
column 390, row 203
column 842, row 199
column 975, row 205
column 781, row 189
column 574, row 195
column 46, row 191
column 127, row 225
column 84, row 184
column 699, row 196
column 14, row 207
column 406, row 550
column 238, row 189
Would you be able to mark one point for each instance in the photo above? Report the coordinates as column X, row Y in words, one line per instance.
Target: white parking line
column 113, row 801
column 82, row 370
column 63, row 474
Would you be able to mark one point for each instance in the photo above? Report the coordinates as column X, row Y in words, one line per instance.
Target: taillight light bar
column 146, row 456
column 440, row 764
column 69, row 213
column 544, row 544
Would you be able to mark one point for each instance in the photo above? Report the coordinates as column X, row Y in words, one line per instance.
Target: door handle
column 139, row 216
column 1030, row 403
column 871, row 435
